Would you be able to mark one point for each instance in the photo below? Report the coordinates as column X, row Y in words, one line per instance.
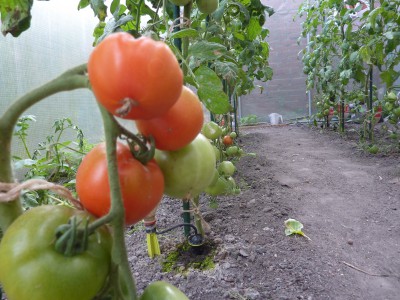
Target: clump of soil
column 347, row 199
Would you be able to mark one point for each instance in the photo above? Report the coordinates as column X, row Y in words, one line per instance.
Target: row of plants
column 216, row 47
column 353, row 48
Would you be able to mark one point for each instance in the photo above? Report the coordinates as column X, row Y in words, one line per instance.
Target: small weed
column 213, row 203
column 183, row 259
column 249, row 120
column 138, row 227
column 55, row 159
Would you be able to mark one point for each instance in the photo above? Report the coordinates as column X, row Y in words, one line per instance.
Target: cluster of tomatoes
column 139, row 80
column 225, row 150
column 142, row 81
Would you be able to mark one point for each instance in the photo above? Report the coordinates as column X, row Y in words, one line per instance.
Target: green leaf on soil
column 293, row 226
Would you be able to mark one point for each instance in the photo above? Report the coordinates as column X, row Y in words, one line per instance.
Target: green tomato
column 221, row 187
column 396, row 112
column 187, row 171
column 231, row 181
column 233, row 135
column 217, row 153
column 215, row 177
column 180, row 2
column 161, row 290
column 211, row 130
column 392, row 97
column 207, row 6
column 389, row 106
column 226, row 168
column 232, row 150
column 31, row 268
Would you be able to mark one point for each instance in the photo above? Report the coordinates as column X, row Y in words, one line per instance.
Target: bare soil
column 347, row 200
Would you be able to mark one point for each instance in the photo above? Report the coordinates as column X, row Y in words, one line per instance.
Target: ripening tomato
column 189, row 170
column 178, row 126
column 134, row 78
column 32, row 269
column 142, row 186
column 227, row 140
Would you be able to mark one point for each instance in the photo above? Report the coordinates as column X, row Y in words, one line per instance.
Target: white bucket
column 275, row 119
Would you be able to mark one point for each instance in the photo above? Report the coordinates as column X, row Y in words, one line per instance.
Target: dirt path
column 348, row 205
column 348, row 202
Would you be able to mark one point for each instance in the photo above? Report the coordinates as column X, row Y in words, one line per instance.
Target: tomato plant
column 188, row 171
column 134, row 78
column 31, row 268
column 178, row 126
column 161, row 290
column 142, row 186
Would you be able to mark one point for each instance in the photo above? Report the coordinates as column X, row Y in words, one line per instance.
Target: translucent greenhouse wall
column 60, row 38
column 285, row 94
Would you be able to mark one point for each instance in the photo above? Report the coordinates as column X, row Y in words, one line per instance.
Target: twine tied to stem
column 196, row 211
column 11, row 191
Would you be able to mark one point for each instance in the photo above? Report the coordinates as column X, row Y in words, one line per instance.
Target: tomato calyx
column 71, row 239
column 126, row 107
column 142, row 147
column 145, row 151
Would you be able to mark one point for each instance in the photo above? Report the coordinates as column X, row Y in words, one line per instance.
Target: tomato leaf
column 98, row 7
column 114, row 6
column 188, row 32
column 207, row 50
column 83, row 4
column 254, row 28
column 113, row 25
column 227, row 70
column 210, row 91
column 205, row 76
column 389, row 76
column 293, row 226
column 15, row 16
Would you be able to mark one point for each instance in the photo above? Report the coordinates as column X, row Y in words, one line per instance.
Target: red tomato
column 227, row 140
column 134, row 78
column 180, row 124
column 142, row 186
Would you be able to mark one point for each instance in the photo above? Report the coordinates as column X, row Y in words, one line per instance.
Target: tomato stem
column 74, row 78
column 185, row 41
column 117, row 211
column 197, row 218
column 146, row 150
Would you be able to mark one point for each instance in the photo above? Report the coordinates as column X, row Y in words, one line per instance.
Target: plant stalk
column 185, row 41
column 117, row 212
column 186, row 215
column 197, row 219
